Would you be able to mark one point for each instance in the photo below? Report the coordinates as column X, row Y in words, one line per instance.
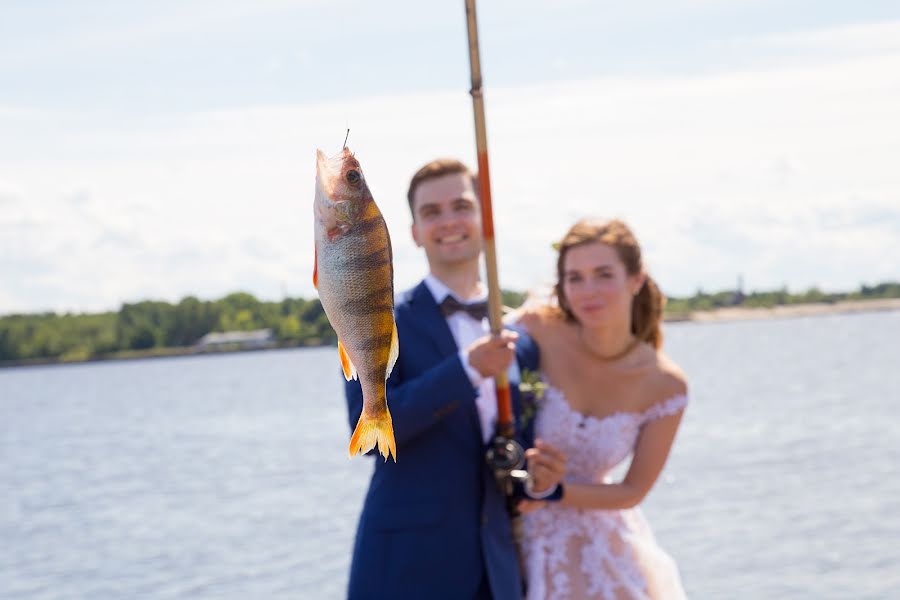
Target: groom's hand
column 492, row 355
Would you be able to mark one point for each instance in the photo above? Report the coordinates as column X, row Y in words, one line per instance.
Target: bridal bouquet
column 531, row 396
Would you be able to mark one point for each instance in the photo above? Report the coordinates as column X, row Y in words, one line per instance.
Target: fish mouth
column 328, row 171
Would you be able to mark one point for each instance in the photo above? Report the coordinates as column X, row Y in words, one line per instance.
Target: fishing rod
column 505, row 455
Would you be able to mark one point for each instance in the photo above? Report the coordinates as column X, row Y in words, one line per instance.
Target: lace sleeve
column 666, row 408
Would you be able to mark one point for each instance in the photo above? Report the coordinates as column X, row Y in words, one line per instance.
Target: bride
column 610, row 393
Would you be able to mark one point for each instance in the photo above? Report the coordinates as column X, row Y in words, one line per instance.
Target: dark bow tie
column 476, row 310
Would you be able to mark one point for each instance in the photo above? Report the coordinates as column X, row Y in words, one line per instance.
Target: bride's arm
column 650, row 455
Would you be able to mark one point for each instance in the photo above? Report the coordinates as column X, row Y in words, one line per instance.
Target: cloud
column 783, row 174
column 115, row 241
column 7, row 199
column 862, row 38
column 115, row 31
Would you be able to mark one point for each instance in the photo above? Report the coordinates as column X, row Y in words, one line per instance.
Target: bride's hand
column 546, row 465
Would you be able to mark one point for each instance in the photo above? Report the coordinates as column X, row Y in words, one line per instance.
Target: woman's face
column 599, row 289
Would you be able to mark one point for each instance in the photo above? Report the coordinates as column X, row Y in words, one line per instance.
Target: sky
column 166, row 149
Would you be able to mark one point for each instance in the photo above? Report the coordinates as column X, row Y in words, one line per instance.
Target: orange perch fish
column 354, row 274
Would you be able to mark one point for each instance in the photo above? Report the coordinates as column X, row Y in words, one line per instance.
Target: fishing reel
column 506, row 457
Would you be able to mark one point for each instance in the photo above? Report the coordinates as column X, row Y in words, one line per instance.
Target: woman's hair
column 647, row 306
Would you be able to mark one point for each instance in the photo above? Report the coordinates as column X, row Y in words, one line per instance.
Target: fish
column 354, row 276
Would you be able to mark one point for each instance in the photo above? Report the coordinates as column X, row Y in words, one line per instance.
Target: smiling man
column 434, row 524
column 447, row 224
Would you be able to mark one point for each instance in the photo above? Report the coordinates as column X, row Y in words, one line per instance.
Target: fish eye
column 353, row 177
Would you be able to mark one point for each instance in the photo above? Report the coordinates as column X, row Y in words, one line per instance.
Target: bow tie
column 476, row 310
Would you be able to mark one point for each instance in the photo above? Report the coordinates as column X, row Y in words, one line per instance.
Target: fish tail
column 371, row 430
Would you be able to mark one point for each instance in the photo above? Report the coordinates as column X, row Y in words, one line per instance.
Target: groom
column 434, row 524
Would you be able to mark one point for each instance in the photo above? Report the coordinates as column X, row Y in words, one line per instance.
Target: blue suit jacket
column 434, row 525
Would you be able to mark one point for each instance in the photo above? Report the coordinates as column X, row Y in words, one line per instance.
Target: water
column 227, row 477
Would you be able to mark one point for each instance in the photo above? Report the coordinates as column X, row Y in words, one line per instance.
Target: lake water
column 227, row 476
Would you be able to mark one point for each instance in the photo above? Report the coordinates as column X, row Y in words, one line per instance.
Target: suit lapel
column 436, row 329
column 433, row 321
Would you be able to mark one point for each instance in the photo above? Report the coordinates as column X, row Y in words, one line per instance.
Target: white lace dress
column 610, row 554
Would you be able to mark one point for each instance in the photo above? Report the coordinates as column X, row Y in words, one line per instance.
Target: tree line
column 767, row 299
column 149, row 327
column 156, row 327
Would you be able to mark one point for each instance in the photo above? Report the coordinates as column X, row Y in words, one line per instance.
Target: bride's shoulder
column 536, row 319
column 666, row 380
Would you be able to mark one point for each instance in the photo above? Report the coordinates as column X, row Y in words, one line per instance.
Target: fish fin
column 374, row 430
column 346, row 364
column 394, row 353
column 315, row 267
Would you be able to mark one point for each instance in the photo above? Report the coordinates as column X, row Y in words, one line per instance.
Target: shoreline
column 155, row 353
column 785, row 311
column 718, row 315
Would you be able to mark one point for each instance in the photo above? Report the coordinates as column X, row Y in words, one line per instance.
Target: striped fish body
column 354, row 275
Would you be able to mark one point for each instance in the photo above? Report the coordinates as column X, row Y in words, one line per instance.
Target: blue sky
column 156, row 150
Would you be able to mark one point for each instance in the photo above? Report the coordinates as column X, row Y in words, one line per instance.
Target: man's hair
column 436, row 168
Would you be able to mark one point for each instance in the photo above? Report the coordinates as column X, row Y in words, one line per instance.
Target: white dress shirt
column 466, row 329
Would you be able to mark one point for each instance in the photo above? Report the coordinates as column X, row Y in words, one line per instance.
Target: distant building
column 237, row 340
column 738, row 297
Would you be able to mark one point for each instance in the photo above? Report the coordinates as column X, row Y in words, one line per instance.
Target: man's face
column 447, row 220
